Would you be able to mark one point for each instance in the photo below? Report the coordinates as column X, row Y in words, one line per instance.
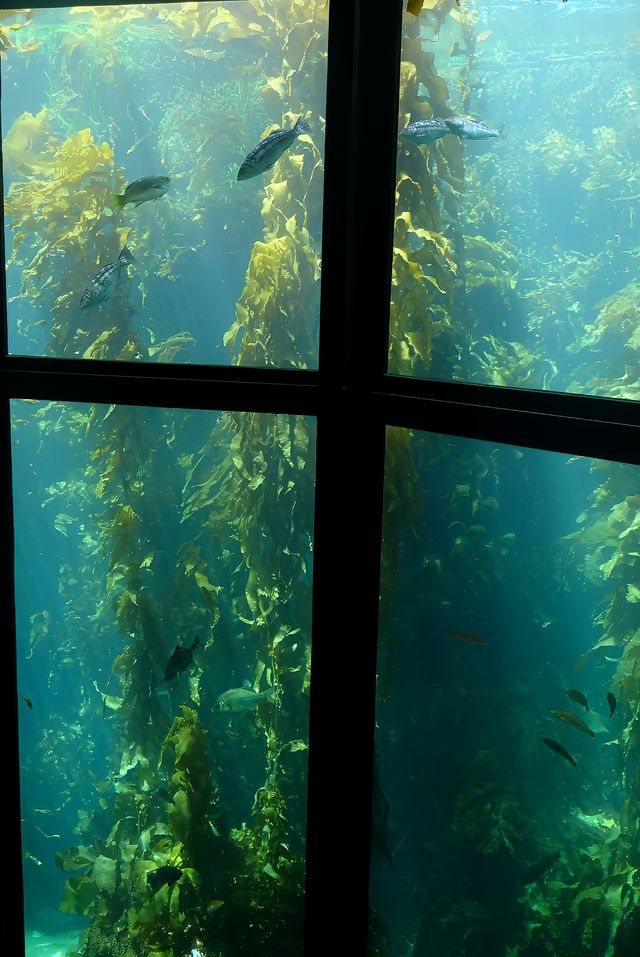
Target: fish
column 424, row 131
column 540, row 867
column 467, row 636
column 167, row 874
column 573, row 720
column 578, row 697
column 214, row 905
column 180, row 659
column 550, row 743
column 242, row 699
column 141, row 191
column 611, row 698
column 27, row 701
column 470, row 129
column 268, row 151
column 104, row 283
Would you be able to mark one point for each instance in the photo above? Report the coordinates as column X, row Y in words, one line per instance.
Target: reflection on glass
column 506, row 796
column 163, row 602
column 163, row 175
column 516, row 217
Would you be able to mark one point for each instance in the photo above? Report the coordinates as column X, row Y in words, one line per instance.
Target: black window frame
column 354, row 399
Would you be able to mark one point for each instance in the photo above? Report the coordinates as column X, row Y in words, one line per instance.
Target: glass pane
column 163, row 580
column 517, row 206
column 506, row 795
column 142, row 219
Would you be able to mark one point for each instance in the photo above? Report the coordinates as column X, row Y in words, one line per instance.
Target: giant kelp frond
column 425, row 262
column 21, row 18
column 28, row 148
column 58, row 219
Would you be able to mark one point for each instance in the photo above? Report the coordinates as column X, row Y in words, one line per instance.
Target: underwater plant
column 426, row 255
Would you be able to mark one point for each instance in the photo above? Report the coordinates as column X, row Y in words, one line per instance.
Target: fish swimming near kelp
column 611, row 698
column 472, row 130
column 167, row 874
column 469, row 636
column 578, row 697
column 104, row 283
column 573, row 720
column 268, row 151
column 424, row 131
column 180, row 659
column 559, row 749
column 144, row 190
column 237, row 700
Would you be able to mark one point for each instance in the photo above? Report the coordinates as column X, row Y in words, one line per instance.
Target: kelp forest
column 508, row 576
column 171, row 527
column 164, row 591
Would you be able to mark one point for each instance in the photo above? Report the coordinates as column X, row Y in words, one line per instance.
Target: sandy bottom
column 50, row 945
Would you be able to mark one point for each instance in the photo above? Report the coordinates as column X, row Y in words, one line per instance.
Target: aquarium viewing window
column 320, row 476
column 163, row 166
column 516, row 211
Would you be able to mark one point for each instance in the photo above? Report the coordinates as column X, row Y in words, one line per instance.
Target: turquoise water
column 134, row 541
column 535, row 284
column 97, row 99
column 505, row 815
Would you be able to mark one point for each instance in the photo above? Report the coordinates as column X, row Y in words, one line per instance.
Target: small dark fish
column 550, row 743
column 573, row 720
column 578, row 697
column 104, row 283
column 424, row 131
column 467, row 636
column 266, row 154
column 27, row 701
column 611, row 698
column 540, row 867
column 167, row 874
column 179, row 660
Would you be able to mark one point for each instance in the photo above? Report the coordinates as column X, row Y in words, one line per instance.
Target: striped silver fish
column 103, row 284
column 269, row 150
column 472, row 130
column 424, row 131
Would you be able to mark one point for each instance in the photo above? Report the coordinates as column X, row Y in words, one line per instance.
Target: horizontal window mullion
column 560, row 425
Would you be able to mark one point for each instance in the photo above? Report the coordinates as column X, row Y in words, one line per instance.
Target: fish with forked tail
column 242, row 699
column 471, row 129
column 268, row 151
column 573, row 720
column 142, row 191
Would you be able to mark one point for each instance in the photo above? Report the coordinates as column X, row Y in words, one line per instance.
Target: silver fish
column 470, row 129
column 103, row 284
column 242, row 699
column 269, row 150
column 424, row 131
column 143, row 190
